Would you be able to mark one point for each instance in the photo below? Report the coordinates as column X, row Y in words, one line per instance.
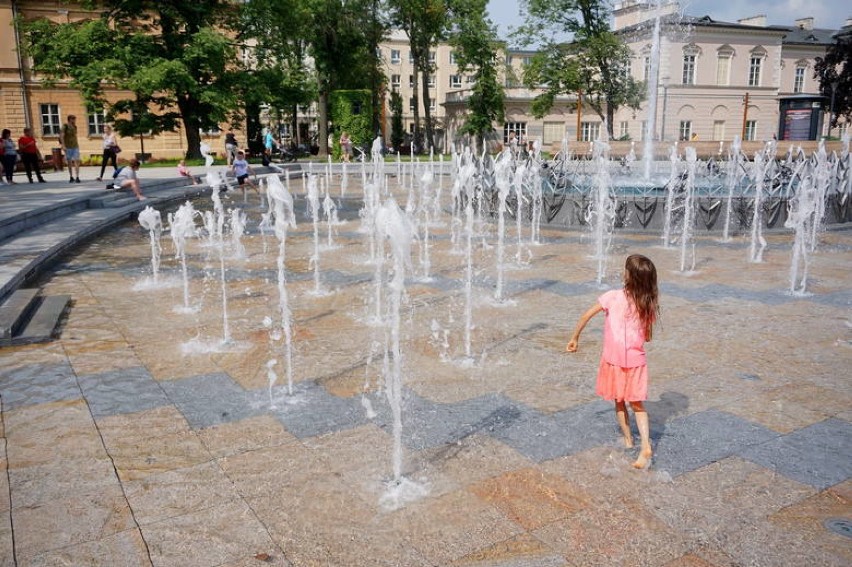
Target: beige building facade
column 716, row 80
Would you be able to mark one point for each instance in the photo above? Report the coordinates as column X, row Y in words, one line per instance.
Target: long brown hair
column 640, row 285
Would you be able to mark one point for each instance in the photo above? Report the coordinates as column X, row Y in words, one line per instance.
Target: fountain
column 182, row 226
column 284, row 218
column 150, row 220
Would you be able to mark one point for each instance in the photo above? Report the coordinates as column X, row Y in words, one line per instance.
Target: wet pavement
column 142, row 437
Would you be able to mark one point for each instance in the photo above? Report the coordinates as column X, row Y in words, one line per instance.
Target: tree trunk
column 427, row 112
column 190, row 126
column 416, row 142
column 322, row 120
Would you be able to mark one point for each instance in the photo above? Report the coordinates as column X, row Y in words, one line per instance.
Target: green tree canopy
column 425, row 22
column 595, row 62
column 474, row 39
column 168, row 54
column 834, row 72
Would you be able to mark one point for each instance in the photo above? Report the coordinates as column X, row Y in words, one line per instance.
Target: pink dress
column 623, row 373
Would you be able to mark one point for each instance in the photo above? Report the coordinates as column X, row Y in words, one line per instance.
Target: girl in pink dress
column 623, row 373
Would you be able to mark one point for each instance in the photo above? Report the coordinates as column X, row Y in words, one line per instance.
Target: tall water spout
column 503, row 175
column 313, row 206
column 150, row 219
column 182, row 226
column 395, row 227
column 601, row 217
column 653, row 84
column 734, row 178
column 688, row 210
column 281, row 203
column 758, row 243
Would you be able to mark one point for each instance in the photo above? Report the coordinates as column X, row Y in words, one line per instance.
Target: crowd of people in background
column 25, row 150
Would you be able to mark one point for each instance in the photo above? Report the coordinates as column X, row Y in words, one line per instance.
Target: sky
column 829, row 14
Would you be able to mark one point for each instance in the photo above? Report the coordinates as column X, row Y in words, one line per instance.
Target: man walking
column 71, row 147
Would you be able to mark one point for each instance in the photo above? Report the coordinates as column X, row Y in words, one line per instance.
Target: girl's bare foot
column 644, row 459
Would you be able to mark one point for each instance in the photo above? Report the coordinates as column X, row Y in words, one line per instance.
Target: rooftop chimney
column 759, row 21
column 805, row 23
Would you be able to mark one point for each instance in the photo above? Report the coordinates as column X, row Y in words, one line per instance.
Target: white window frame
column 455, row 81
column 395, row 82
column 452, row 57
column 799, row 77
column 755, row 70
column 623, row 129
column 590, row 131
column 50, row 122
column 689, row 64
column 718, row 130
column 519, row 128
column 723, row 68
column 396, row 57
column 685, row 130
column 96, row 122
column 430, row 82
column 751, row 130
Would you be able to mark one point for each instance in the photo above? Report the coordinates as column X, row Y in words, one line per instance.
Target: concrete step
column 15, row 312
column 45, row 320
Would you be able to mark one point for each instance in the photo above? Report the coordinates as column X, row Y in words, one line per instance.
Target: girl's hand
column 572, row 346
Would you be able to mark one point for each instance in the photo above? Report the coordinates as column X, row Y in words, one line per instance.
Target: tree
column 339, row 44
column 834, row 72
column 596, row 61
column 425, row 22
column 274, row 33
column 167, row 53
column 397, row 130
column 475, row 41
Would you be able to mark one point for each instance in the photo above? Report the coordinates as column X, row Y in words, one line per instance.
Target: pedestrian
column 345, row 146
column 111, row 150
column 242, row 170
column 183, row 171
column 268, row 144
column 128, row 179
column 30, row 155
column 71, row 148
column 230, row 147
column 623, row 373
column 10, row 155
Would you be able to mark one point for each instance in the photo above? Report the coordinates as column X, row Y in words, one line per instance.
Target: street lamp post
column 663, row 118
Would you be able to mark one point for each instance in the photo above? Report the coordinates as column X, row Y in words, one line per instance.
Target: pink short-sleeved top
column 624, row 336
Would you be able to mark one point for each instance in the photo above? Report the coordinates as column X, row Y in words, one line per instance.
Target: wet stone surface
column 140, row 437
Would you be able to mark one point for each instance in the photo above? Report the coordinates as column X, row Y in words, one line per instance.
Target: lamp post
column 834, row 84
column 665, row 104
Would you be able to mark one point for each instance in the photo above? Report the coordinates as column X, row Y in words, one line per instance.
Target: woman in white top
column 109, row 151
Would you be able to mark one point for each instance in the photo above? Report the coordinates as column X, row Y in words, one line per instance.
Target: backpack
column 117, row 172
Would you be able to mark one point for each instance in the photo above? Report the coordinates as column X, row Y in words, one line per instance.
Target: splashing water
column 601, row 217
column 503, row 173
column 150, row 220
column 182, row 226
column 281, row 205
column 396, row 228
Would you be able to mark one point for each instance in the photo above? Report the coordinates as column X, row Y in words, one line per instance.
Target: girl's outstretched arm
column 581, row 324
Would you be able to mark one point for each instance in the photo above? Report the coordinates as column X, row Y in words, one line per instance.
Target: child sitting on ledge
column 184, row 172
